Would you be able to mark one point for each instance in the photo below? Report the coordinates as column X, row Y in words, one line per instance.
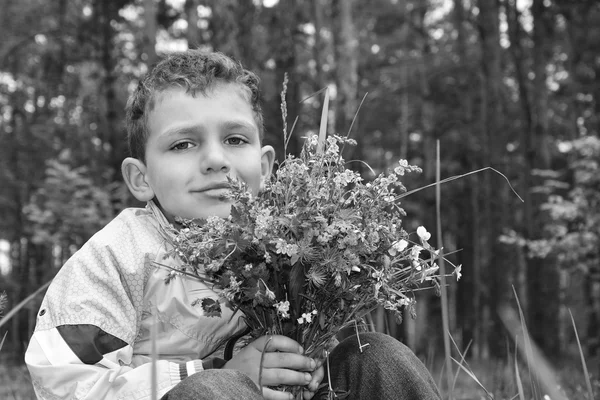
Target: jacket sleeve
column 82, row 362
column 82, row 347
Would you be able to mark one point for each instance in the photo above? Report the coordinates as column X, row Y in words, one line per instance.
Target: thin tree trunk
column 224, row 27
column 283, row 24
column 345, row 41
column 346, row 46
column 246, row 13
column 491, row 129
column 192, row 33
column 517, row 52
column 150, row 24
column 319, row 47
column 543, row 278
column 112, row 132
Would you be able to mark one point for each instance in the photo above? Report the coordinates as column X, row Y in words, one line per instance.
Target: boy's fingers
column 278, row 343
column 317, row 377
column 293, row 361
column 270, row 394
column 279, row 376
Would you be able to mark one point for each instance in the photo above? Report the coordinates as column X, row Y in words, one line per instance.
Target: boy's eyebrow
column 237, row 124
column 193, row 129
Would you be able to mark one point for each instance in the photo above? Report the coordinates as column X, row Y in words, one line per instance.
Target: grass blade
column 444, row 292
column 3, row 339
column 323, row 127
column 519, row 383
column 542, row 369
column 22, row 304
column 458, row 177
column 472, row 376
column 154, row 358
column 585, row 370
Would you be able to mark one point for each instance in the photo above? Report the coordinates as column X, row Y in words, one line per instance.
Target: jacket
column 94, row 332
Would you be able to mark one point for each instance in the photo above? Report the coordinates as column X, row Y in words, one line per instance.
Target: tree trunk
column 283, row 24
column 491, row 130
column 345, row 41
column 346, row 75
column 224, row 28
column 149, row 41
column 543, row 277
column 319, row 46
column 246, row 18
column 192, row 34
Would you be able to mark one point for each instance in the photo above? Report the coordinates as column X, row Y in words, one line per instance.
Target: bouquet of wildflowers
column 314, row 252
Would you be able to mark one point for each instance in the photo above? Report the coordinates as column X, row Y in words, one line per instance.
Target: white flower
column 248, row 267
column 270, row 295
column 400, row 245
column 307, row 317
column 283, row 308
column 401, row 168
column 415, row 252
column 457, row 272
column 355, row 269
column 423, row 234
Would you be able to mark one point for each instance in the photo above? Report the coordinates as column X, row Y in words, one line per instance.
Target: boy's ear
column 134, row 175
column 266, row 164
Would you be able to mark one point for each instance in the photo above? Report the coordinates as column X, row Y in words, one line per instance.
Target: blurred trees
column 510, row 84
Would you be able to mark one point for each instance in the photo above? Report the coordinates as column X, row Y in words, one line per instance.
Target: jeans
column 385, row 370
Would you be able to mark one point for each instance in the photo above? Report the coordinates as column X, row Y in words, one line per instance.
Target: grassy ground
column 15, row 383
column 497, row 377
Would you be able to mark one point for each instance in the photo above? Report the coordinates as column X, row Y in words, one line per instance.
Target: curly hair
column 195, row 71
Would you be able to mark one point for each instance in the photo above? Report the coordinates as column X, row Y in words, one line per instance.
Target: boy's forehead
column 208, row 91
column 176, row 92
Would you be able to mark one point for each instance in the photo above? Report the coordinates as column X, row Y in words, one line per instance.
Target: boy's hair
column 195, row 71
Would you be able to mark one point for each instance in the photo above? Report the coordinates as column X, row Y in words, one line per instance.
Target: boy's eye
column 181, row 146
column 236, row 141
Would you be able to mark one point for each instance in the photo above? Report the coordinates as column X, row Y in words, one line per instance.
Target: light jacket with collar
column 95, row 328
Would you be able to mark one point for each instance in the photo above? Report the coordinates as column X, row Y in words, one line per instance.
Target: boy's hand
column 317, row 377
column 283, row 364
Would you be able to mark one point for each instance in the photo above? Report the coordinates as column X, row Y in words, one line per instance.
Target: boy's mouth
column 213, row 186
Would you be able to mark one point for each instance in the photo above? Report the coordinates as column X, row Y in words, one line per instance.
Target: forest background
column 508, row 84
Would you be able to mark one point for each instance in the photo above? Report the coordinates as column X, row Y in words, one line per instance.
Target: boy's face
column 194, row 143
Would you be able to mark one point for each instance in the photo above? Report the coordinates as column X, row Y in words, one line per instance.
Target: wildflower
column 283, row 308
column 415, row 252
column 234, row 284
column 307, row 317
column 269, row 293
column 316, row 276
column 214, row 266
column 281, row 247
column 398, row 247
column 248, row 267
column 263, row 221
column 399, row 170
column 457, row 272
column 3, row 302
column 423, row 234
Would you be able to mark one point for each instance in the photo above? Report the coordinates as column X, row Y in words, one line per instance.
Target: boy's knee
column 218, row 384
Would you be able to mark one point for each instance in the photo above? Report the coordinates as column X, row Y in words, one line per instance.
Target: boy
column 193, row 121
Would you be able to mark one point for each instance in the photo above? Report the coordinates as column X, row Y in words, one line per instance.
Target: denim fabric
column 215, row 384
column 385, row 369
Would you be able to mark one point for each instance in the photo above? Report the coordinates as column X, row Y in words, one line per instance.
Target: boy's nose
column 214, row 159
